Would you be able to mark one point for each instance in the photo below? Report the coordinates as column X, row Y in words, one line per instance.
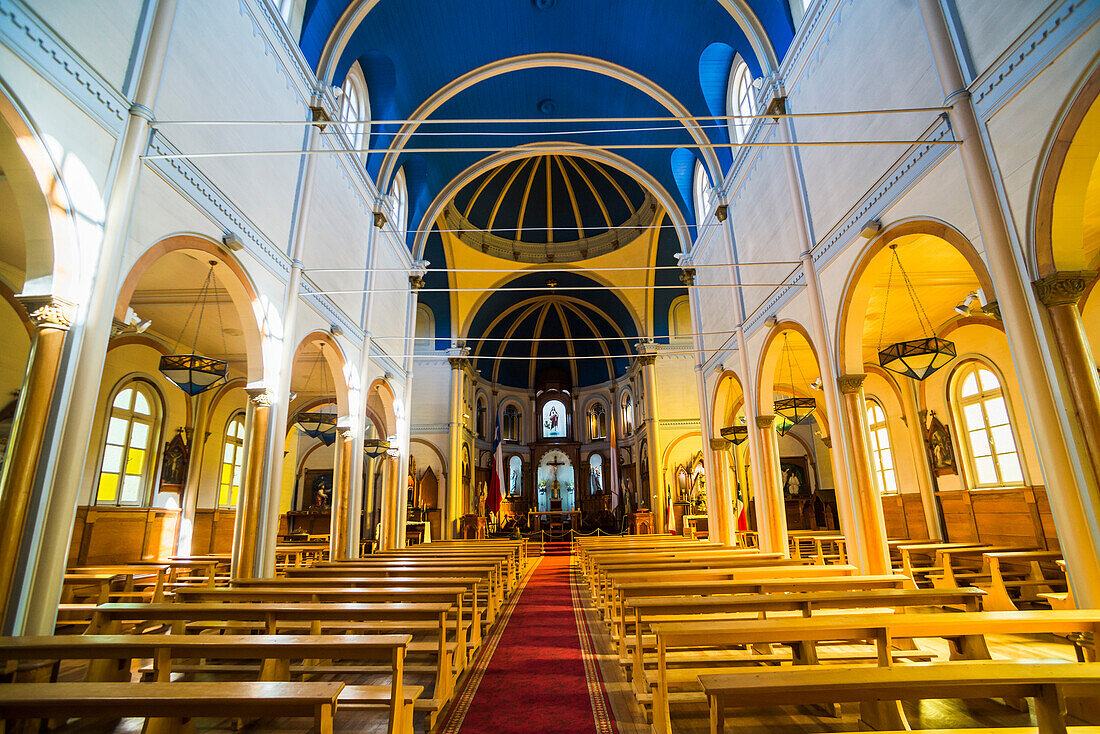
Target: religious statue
column 482, row 496
column 322, row 492
column 514, row 483
column 597, row 480
column 552, row 420
column 699, row 495
column 791, row 483
column 177, row 454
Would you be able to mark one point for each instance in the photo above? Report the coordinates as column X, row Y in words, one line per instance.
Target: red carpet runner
column 540, row 677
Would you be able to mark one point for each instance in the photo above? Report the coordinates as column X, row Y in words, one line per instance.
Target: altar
column 535, row 518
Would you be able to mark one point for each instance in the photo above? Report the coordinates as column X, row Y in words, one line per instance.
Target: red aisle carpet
column 541, row 677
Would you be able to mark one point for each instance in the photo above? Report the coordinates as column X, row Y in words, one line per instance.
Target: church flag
column 496, row 477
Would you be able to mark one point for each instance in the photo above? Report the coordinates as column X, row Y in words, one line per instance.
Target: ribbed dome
column 526, row 328
column 550, row 208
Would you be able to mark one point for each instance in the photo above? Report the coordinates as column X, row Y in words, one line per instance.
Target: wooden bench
column 699, row 610
column 275, row 651
column 170, row 707
column 917, row 571
column 1048, row 683
column 1030, row 587
column 965, row 631
column 962, row 565
column 271, row 618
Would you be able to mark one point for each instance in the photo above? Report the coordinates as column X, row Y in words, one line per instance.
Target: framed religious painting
column 941, row 451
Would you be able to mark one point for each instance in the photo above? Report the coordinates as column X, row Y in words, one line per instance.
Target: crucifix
column 555, row 486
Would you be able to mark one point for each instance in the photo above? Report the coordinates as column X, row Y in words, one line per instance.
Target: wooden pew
column 276, row 652
column 405, row 617
column 1061, row 600
column 997, row 585
column 166, row 702
column 965, row 631
column 961, row 565
column 488, row 573
column 918, row 571
column 624, row 592
column 1048, row 683
column 469, row 622
column 698, row 610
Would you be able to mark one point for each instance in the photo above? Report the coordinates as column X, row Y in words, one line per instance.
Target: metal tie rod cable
column 559, row 120
column 597, row 229
column 557, row 340
column 491, row 357
column 562, row 150
column 563, row 288
column 526, row 271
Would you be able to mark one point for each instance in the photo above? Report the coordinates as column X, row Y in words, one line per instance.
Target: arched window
column 701, row 191
column 229, row 480
column 129, row 450
column 990, row 441
column 482, row 419
column 425, row 327
column 597, row 422
column 400, row 203
column 626, row 405
column 679, row 318
column 882, row 456
column 355, row 107
column 510, row 428
column 741, row 100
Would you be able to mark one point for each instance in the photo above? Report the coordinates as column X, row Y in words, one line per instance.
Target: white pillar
column 36, row 587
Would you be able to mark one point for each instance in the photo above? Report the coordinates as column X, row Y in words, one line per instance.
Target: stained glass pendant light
column 319, row 424
column 375, row 447
column 792, row 410
column 194, row 373
column 915, row 358
column 737, row 433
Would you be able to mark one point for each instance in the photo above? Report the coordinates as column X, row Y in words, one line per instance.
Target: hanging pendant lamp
column 915, row 358
column 194, row 373
column 735, row 434
column 792, row 410
column 375, row 447
column 319, row 424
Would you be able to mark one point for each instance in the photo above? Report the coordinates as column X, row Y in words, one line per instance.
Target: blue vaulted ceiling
column 411, row 49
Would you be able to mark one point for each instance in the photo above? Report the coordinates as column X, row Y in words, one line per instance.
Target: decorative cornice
column 48, row 312
column 849, row 384
column 765, row 422
column 1064, row 288
column 680, row 423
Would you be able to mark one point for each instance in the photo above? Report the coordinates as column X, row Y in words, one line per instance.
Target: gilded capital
column 993, row 310
column 416, row 282
column 721, row 212
column 48, row 312
column 647, row 360
column 765, row 422
column 457, row 363
column 687, row 276
column 849, row 384
column 347, row 434
column 379, row 220
column 261, row 397
column 720, row 444
column 1063, row 288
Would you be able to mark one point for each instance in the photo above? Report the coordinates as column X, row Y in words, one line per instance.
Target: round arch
column 357, row 11
column 242, row 291
column 769, row 360
column 380, row 401
column 728, row 395
column 433, row 212
column 337, row 366
column 1069, row 158
column 435, row 450
column 856, row 295
column 46, row 209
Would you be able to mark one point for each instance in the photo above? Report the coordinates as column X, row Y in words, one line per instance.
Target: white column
column 404, row 428
column 1071, row 486
column 925, row 482
column 269, row 500
column 454, row 475
column 36, row 587
column 613, row 443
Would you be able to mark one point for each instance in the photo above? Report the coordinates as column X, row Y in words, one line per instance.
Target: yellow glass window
column 229, row 480
column 124, row 468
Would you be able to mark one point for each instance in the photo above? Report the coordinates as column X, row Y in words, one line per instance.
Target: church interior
column 550, row 366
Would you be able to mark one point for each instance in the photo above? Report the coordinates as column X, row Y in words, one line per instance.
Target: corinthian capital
column 48, row 312
column 1064, row 288
column 261, row 397
column 765, row 422
column 850, row 383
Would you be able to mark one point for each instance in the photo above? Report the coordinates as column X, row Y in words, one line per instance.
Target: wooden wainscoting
column 108, row 535
column 213, row 531
column 904, row 515
column 1008, row 517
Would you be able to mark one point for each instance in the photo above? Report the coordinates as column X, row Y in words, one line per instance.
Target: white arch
column 358, row 10
column 543, row 60
column 527, row 151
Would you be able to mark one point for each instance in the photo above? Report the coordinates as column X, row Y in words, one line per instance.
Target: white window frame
column 400, row 193
column 740, row 99
column 702, row 192
column 154, row 422
column 982, row 399
column 236, row 464
column 355, row 107
column 882, row 447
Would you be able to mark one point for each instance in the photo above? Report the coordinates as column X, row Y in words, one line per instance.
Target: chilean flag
column 496, row 474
